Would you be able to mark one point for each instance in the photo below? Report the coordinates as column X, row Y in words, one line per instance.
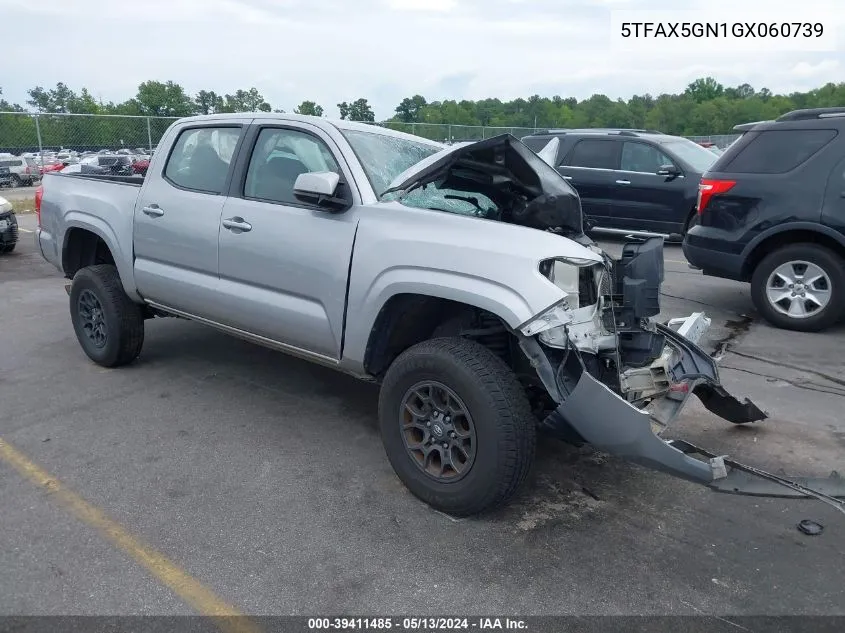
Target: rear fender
column 122, row 259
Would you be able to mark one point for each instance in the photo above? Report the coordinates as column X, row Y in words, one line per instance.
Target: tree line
column 705, row 107
column 168, row 99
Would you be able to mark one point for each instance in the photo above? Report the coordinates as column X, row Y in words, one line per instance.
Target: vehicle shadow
column 567, row 483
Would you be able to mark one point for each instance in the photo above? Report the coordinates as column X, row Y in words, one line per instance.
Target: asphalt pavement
column 261, row 479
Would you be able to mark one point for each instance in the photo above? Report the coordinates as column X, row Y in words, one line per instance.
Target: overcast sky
column 335, row 50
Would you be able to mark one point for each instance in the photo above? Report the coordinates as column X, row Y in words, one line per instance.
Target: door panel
column 593, row 187
column 176, row 227
column 285, row 277
column 651, row 203
column 643, row 200
column 589, row 167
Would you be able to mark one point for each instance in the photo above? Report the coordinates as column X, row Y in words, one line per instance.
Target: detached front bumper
column 618, row 379
column 610, row 423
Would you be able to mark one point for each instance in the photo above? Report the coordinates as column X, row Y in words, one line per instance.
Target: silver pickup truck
column 458, row 277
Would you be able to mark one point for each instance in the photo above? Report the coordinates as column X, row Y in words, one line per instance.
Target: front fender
column 483, row 293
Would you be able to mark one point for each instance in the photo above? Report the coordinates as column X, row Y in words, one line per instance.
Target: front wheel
column 456, row 425
column 108, row 324
column 800, row 287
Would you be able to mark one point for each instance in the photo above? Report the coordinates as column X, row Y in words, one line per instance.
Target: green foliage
column 163, row 99
column 706, row 107
column 208, row 102
column 310, row 108
column 358, row 110
column 409, row 110
column 246, row 101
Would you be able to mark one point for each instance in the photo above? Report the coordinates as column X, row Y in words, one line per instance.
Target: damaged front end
column 617, row 377
column 596, row 365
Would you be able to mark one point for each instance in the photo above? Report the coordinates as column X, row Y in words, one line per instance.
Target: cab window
column 279, row 157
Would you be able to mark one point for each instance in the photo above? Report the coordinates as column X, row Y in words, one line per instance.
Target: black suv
column 630, row 181
column 771, row 211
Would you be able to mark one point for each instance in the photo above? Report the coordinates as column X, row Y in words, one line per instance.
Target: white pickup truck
column 459, row 278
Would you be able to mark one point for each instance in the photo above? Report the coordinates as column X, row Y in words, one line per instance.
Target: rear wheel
column 456, row 425
column 800, row 287
column 16, row 181
column 108, row 324
column 7, row 248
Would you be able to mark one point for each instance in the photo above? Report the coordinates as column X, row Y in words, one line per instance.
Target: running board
column 675, row 237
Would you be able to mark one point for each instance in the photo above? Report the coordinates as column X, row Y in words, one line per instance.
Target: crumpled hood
column 531, row 192
column 506, row 148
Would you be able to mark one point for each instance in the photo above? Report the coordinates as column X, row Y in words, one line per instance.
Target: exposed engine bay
column 497, row 179
column 597, row 365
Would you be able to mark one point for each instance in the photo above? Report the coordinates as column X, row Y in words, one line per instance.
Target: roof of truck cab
column 340, row 124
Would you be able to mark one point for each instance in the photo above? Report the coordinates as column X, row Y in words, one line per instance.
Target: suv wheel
column 108, row 324
column 800, row 287
column 16, row 181
column 456, row 425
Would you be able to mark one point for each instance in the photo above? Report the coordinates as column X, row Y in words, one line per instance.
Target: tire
column 831, row 264
column 120, row 318
column 8, row 248
column 499, row 412
column 16, row 181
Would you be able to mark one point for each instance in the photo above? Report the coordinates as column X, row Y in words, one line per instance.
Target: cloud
column 805, row 70
column 422, row 5
column 338, row 50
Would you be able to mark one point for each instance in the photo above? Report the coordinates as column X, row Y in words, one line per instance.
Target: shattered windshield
column 384, row 157
column 450, row 200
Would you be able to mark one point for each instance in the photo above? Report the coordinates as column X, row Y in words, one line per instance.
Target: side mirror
column 668, row 170
column 320, row 188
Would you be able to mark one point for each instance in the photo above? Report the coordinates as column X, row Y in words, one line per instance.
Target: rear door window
column 201, row 157
column 596, row 154
column 773, row 151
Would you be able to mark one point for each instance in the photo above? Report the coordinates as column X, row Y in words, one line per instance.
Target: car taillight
column 27, row 170
column 708, row 188
column 39, row 193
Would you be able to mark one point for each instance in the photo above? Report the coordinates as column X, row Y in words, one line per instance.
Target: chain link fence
column 23, row 133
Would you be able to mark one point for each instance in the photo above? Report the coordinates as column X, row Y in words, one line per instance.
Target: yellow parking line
column 193, row 592
column 25, row 230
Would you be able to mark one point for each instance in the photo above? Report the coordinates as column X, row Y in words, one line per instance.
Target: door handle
column 623, row 182
column 568, row 177
column 154, row 211
column 237, row 224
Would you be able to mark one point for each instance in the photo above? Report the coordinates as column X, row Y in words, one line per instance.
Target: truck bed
column 104, row 202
